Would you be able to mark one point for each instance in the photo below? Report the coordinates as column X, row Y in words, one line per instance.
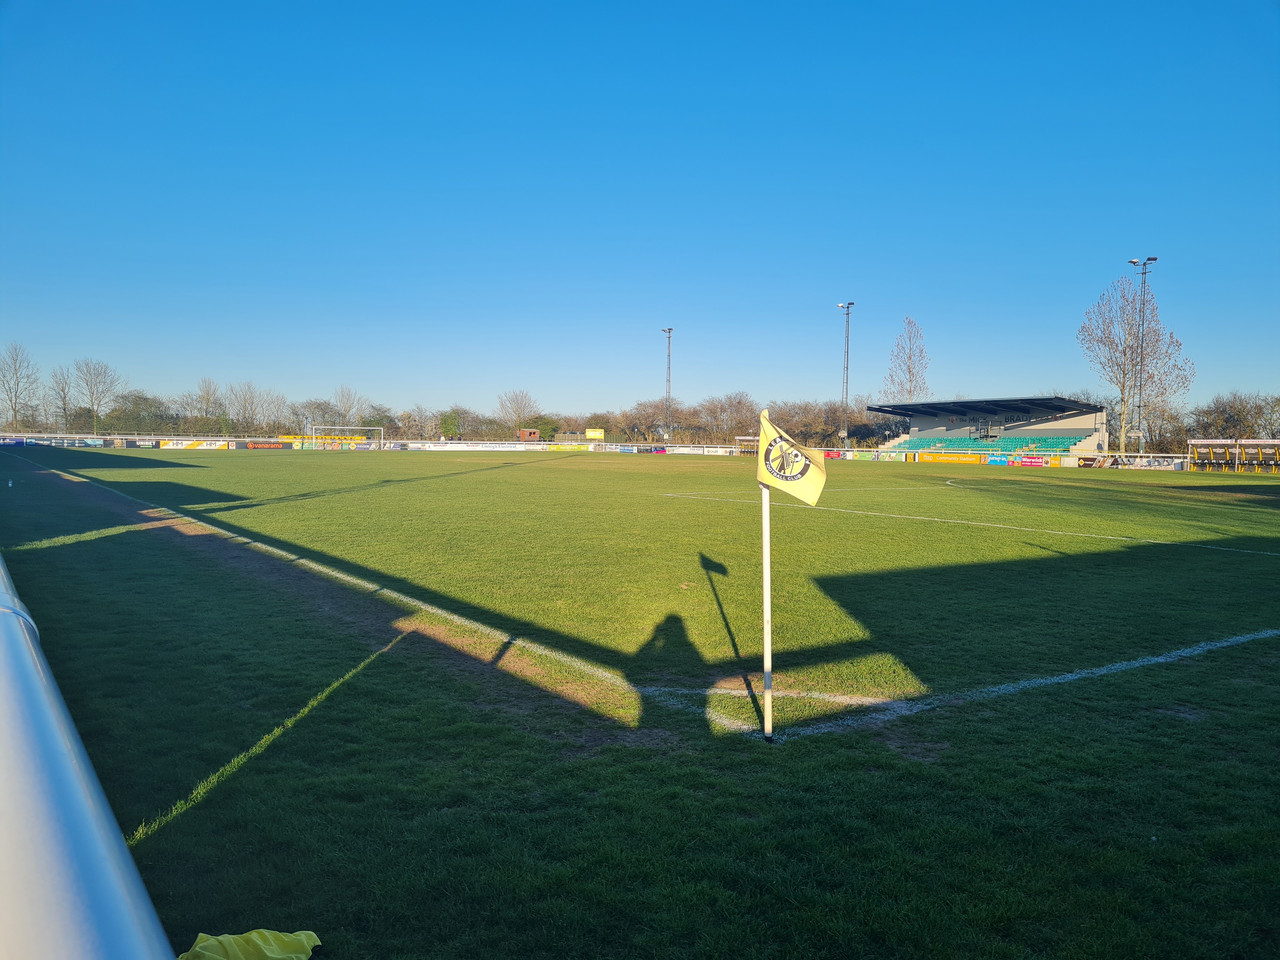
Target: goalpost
column 324, row 437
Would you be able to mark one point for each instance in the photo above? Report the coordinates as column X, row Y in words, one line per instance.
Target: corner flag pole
column 768, row 616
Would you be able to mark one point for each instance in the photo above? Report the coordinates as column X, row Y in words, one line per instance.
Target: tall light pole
column 844, row 391
column 1143, row 267
column 667, row 331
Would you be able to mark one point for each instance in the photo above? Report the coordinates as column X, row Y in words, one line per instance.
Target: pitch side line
column 983, row 523
column 896, row 709
column 882, row 711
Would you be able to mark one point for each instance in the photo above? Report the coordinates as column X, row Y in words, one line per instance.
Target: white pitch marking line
column 996, row 526
column 896, row 709
column 370, row 587
column 886, row 710
column 850, row 700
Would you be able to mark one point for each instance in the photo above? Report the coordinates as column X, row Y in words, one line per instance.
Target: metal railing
column 68, row 886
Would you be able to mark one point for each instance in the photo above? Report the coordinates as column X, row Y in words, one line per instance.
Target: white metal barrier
column 68, row 887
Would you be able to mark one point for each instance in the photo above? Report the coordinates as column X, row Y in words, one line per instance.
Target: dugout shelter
column 1006, row 424
column 1250, row 456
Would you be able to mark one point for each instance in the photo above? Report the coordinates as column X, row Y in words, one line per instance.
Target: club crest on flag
column 786, row 465
column 784, row 461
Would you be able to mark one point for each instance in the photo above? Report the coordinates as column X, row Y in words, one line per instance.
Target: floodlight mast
column 844, row 390
column 1143, row 267
column 667, row 423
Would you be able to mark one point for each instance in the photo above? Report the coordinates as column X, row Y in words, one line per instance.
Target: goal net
column 324, row 437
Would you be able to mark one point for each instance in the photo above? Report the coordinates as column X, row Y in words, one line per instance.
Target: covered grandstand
column 1007, row 425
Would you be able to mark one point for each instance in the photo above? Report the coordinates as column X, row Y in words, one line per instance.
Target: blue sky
column 434, row 203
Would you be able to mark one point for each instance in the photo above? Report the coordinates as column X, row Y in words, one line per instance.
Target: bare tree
column 60, row 395
column 812, row 422
column 274, row 411
column 1147, row 363
column 572, row 422
column 246, row 406
column 311, row 413
column 97, row 385
column 644, row 421
column 1268, row 424
column 460, row 421
column 516, row 408
column 732, row 415
column 350, row 405
column 422, row 421
column 208, row 399
column 1236, row 416
column 19, row 383
column 905, row 382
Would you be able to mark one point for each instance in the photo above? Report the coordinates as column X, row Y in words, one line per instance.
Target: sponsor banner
column 996, row 459
column 143, row 444
column 926, row 457
column 350, row 437
column 505, row 447
column 12, row 441
column 865, row 455
column 364, row 446
column 395, row 446
column 595, row 434
column 568, row 447
column 510, row 446
column 626, row 448
column 833, row 454
column 268, row 445
column 702, row 450
column 1027, row 460
column 889, row 456
column 658, row 450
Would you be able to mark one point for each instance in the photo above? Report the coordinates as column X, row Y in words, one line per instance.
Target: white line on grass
column 896, row 709
column 881, row 711
column 995, row 526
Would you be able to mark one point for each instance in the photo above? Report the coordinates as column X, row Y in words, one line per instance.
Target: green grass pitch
column 468, row 705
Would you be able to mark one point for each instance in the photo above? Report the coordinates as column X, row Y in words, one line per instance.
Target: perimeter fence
column 1254, row 456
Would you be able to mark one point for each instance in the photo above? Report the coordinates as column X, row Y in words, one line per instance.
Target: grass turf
column 408, row 786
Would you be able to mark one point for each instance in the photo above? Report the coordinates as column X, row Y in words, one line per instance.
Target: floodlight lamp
column 1134, row 262
column 1152, row 259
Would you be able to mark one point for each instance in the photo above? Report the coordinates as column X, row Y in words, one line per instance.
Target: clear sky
column 436, row 202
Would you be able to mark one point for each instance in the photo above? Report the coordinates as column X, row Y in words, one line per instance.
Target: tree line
column 1138, row 361
column 91, row 397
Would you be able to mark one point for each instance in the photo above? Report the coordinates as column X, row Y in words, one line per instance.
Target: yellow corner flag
column 786, row 465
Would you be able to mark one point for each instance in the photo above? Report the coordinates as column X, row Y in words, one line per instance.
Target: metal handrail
column 68, row 886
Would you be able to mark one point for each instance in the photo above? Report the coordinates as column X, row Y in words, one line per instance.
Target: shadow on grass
column 407, row 808
column 72, row 458
column 949, row 626
column 668, row 663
